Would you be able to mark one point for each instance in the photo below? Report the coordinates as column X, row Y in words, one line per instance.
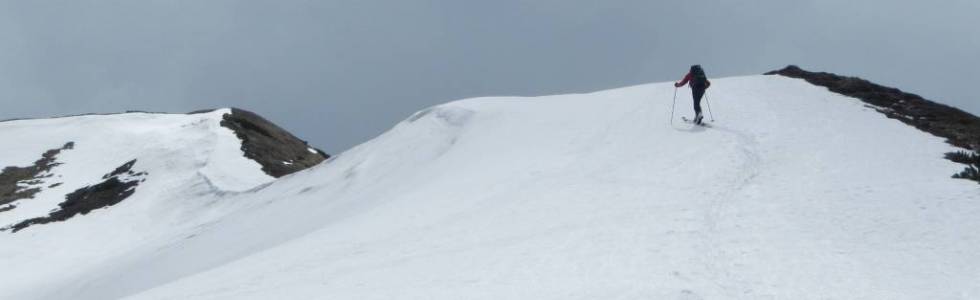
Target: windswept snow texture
column 794, row 193
column 178, row 155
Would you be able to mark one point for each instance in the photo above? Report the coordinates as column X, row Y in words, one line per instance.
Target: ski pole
column 672, row 107
column 709, row 107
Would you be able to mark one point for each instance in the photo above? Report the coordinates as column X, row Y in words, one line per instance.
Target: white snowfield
column 793, row 193
column 190, row 160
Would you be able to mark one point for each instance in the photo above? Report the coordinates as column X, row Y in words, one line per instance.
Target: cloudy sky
column 339, row 72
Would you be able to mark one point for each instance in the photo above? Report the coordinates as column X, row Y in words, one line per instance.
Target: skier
column 699, row 83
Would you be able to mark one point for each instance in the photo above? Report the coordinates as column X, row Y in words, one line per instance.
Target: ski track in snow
column 793, row 193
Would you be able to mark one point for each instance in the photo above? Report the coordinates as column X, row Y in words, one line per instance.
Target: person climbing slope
column 699, row 83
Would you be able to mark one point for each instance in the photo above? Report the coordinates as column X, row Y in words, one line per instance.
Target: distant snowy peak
column 55, row 169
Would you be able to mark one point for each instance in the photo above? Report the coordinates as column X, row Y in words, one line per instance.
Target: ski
column 689, row 121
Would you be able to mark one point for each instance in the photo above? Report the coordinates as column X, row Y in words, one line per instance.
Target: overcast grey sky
column 339, row 72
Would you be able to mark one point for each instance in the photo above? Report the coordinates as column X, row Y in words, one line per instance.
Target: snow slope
column 794, row 193
column 184, row 156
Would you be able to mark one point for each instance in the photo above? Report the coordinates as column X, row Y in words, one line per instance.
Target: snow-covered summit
column 793, row 192
column 55, row 169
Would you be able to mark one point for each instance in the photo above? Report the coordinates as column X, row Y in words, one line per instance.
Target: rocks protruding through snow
column 117, row 186
column 270, row 145
column 960, row 128
column 972, row 162
column 123, row 169
column 11, row 176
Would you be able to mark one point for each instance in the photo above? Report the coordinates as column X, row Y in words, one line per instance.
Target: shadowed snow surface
column 793, row 193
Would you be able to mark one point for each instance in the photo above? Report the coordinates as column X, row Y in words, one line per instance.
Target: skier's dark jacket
column 687, row 78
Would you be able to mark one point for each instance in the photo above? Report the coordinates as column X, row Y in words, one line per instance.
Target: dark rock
column 11, row 176
column 262, row 141
column 123, row 169
column 114, row 189
column 960, row 128
column 270, row 145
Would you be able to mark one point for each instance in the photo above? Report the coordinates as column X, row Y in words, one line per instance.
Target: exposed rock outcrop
column 960, row 128
column 18, row 183
column 117, row 186
column 278, row 151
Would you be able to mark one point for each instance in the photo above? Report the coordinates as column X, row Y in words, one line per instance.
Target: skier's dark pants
column 697, row 93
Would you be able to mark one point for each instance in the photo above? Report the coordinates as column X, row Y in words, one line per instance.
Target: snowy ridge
column 794, row 193
column 169, row 155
